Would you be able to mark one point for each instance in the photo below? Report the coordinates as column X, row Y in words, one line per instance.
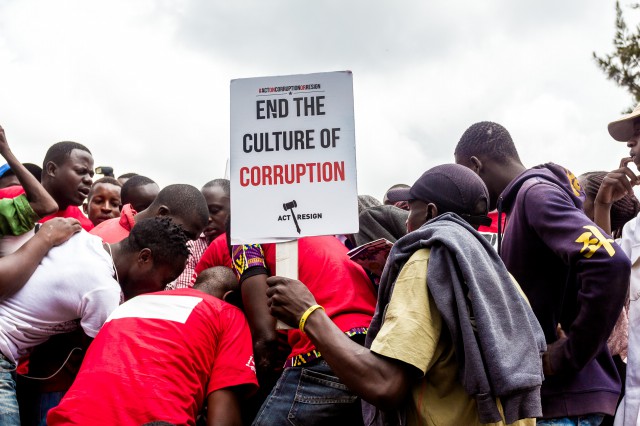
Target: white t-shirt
column 73, row 285
column 10, row 243
column 629, row 409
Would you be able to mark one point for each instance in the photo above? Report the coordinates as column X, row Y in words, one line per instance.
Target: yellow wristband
column 303, row 318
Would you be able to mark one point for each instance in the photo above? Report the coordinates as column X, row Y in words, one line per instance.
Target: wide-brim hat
column 622, row 129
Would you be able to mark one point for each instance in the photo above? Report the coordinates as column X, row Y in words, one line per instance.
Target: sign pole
column 286, row 266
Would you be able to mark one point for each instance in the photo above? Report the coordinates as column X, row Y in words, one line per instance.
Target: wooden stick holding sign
column 286, row 266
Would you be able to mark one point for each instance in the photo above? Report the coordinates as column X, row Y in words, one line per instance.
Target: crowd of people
column 508, row 297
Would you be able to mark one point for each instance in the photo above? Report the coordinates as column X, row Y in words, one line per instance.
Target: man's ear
column 432, row 211
column 145, row 256
column 163, row 211
column 477, row 164
column 234, row 298
column 50, row 169
column 227, row 295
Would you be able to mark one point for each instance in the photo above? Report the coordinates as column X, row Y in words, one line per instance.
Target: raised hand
column 617, row 184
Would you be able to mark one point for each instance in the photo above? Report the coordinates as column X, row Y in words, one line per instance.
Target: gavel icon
column 289, row 206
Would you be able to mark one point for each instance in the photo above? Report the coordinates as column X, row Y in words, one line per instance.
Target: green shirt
column 16, row 216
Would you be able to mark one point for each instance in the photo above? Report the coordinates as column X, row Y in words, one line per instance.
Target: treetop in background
column 623, row 65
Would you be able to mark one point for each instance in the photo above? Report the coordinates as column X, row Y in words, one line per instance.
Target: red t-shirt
column 158, row 357
column 11, row 191
column 117, row 229
column 338, row 284
column 74, row 212
column 71, row 211
column 493, row 228
column 217, row 254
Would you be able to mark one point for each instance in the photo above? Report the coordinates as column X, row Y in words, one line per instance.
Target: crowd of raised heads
column 485, row 292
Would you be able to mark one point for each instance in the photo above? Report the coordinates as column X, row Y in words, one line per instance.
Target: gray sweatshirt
column 498, row 341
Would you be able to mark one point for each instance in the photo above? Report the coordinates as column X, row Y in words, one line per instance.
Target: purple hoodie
column 573, row 274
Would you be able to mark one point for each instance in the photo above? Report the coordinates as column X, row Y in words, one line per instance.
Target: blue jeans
column 9, row 412
column 309, row 395
column 48, row 400
column 587, row 420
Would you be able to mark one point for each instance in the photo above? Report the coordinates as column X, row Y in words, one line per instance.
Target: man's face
column 141, row 197
column 494, row 191
column 192, row 226
column 218, row 204
column 72, row 181
column 151, row 277
column 10, row 180
column 634, row 144
column 463, row 161
column 417, row 215
column 104, row 203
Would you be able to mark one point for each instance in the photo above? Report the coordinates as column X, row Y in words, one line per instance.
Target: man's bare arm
column 17, row 268
column 41, row 202
column 223, row 408
column 379, row 380
column 263, row 329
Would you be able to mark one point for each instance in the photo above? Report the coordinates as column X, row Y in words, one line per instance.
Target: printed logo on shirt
column 593, row 240
column 156, row 306
column 251, row 364
column 575, row 185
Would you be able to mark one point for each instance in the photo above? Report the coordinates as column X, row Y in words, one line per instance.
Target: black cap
column 452, row 188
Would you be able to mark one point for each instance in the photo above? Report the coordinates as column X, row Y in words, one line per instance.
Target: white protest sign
column 293, row 158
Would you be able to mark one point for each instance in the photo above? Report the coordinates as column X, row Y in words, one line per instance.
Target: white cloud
column 145, row 85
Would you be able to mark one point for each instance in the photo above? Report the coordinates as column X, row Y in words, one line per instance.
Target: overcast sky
column 145, row 84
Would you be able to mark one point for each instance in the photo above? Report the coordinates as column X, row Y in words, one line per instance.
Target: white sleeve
column 630, row 237
column 97, row 305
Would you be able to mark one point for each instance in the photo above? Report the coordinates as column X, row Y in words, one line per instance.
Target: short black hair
column 225, row 184
column 132, row 183
column 218, row 279
column 127, row 175
column 184, row 201
column 106, row 179
column 488, row 139
column 166, row 240
column 34, row 169
column 59, row 152
column 622, row 211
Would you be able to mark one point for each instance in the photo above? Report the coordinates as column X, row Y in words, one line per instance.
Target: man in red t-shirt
column 348, row 297
column 67, row 174
column 139, row 191
column 216, row 193
column 67, row 177
column 160, row 356
column 184, row 204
